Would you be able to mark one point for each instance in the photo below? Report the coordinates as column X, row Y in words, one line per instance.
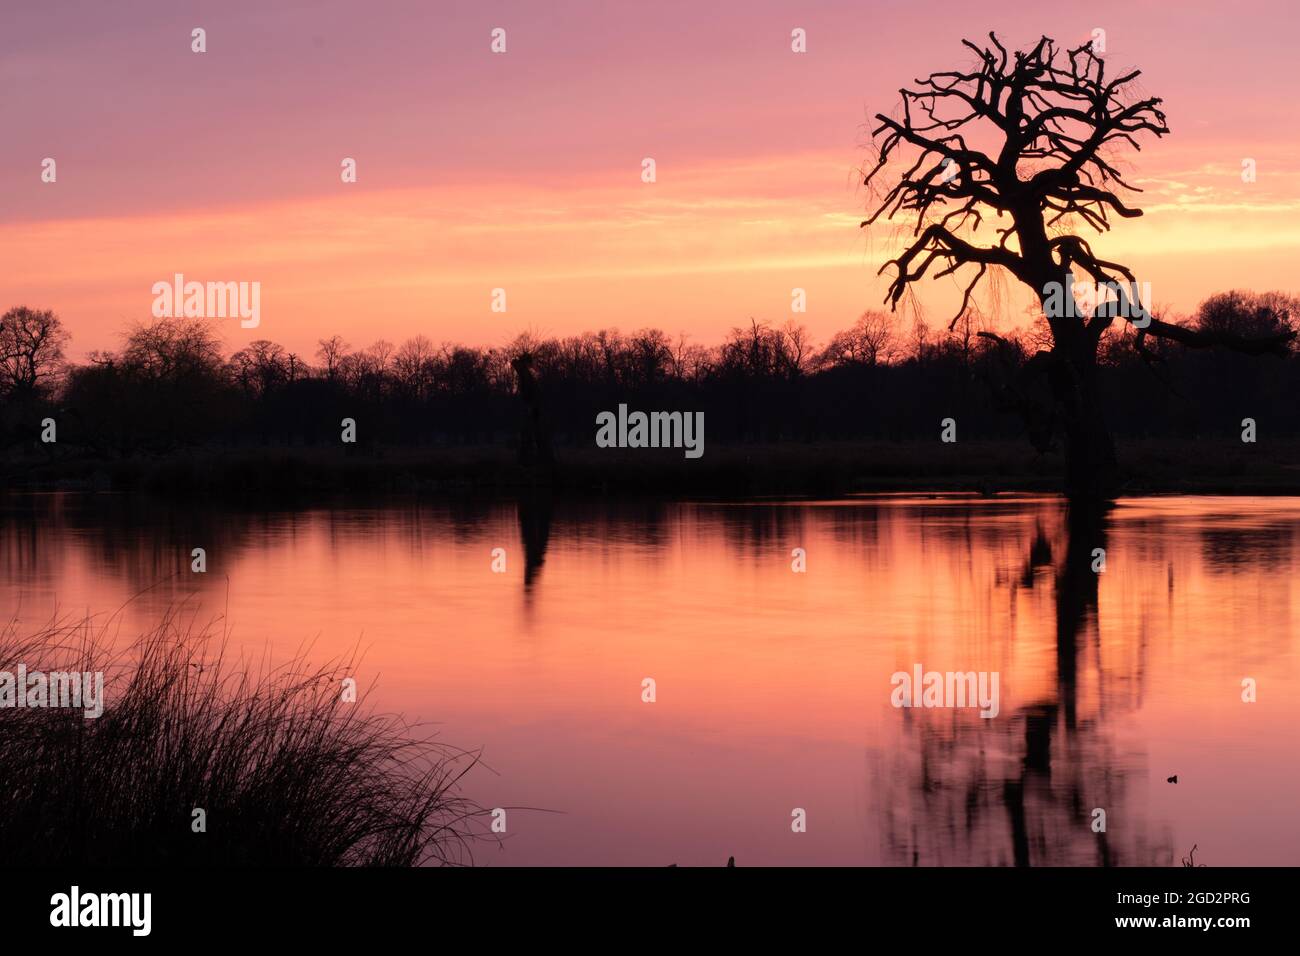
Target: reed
column 286, row 771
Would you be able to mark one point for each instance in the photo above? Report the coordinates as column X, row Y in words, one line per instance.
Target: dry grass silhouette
column 286, row 771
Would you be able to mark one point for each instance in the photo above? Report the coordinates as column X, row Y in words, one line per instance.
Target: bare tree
column 31, row 349
column 798, row 347
column 260, row 367
column 1248, row 315
column 869, row 342
column 1055, row 121
column 173, row 349
column 331, row 354
column 691, row 361
column 414, row 366
column 378, row 354
column 651, row 356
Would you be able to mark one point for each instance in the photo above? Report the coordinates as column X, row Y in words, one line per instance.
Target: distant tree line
column 170, row 385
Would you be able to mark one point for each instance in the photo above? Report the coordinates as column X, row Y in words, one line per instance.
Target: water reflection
column 773, row 684
column 1045, row 784
column 535, row 530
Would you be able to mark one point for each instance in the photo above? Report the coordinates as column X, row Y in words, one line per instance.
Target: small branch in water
column 1190, row 859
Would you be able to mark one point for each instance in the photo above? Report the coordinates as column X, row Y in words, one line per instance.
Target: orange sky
column 522, row 171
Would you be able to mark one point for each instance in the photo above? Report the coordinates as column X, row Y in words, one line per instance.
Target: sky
column 522, row 170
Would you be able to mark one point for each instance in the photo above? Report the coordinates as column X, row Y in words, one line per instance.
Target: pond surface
column 773, row 688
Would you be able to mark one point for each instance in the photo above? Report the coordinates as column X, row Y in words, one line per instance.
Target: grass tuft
column 287, row 772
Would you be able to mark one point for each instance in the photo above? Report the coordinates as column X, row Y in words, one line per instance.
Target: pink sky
column 522, row 170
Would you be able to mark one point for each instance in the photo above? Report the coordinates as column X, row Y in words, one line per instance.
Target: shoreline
column 735, row 472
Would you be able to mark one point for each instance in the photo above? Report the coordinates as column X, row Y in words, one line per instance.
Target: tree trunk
column 1077, row 586
column 1091, row 469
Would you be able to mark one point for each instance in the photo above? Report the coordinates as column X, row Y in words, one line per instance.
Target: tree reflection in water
column 1021, row 789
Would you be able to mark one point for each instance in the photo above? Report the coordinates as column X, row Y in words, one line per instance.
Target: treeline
column 170, row 384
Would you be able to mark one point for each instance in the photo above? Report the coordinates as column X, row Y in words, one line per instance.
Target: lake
column 773, row 687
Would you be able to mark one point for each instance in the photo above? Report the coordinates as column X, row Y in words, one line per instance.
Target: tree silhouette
column 31, row 350
column 1053, row 122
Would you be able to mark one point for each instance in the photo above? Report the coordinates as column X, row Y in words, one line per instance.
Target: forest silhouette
column 170, row 389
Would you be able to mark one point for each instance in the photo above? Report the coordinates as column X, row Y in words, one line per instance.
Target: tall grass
column 286, row 771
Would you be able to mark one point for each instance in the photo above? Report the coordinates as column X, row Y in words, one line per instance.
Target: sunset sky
column 522, row 170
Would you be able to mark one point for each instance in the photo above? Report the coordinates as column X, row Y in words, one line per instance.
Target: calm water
column 773, row 687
